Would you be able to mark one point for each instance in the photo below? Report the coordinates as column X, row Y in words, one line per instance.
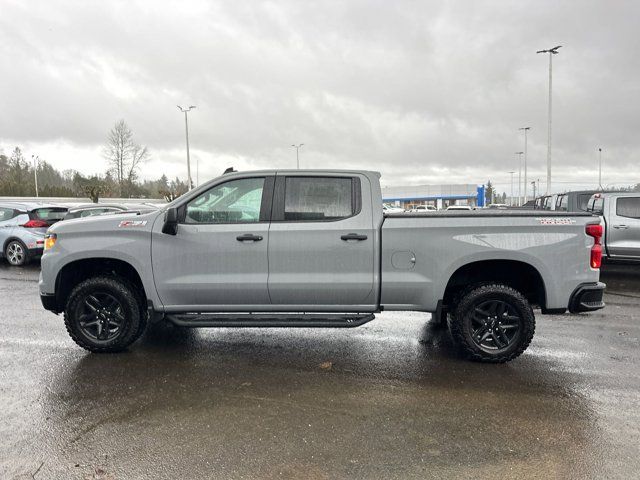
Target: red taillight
column 595, row 231
column 36, row 224
column 596, row 256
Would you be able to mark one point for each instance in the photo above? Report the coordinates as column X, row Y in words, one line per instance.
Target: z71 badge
column 556, row 221
column 132, row 223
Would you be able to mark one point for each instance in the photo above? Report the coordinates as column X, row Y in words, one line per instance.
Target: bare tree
column 124, row 155
column 139, row 155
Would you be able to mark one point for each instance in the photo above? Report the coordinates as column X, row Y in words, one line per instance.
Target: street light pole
column 519, row 178
column 552, row 51
column 511, row 187
column 186, row 130
column 526, row 184
column 600, row 169
column 36, row 160
column 297, row 147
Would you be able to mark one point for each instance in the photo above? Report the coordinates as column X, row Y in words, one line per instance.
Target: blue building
column 440, row 196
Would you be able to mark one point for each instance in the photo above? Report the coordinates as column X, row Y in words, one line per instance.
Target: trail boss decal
column 132, row 223
column 556, row 221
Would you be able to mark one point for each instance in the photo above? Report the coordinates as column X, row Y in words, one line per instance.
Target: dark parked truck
column 313, row 249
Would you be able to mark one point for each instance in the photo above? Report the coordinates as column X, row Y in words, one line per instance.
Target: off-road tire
column 129, row 299
column 461, row 323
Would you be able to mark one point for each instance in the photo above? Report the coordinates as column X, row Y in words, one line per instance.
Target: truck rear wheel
column 493, row 323
column 103, row 314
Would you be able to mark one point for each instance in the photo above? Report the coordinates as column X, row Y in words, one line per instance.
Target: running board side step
column 252, row 320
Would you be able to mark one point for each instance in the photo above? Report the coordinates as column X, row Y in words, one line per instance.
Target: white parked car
column 458, row 207
column 388, row 208
column 423, row 208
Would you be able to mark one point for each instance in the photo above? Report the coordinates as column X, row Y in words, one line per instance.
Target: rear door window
column 628, row 207
column 319, row 198
column 97, row 211
column 6, row 214
column 562, row 203
column 583, row 201
column 596, row 205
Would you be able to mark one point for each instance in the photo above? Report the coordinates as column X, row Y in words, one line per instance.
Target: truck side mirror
column 170, row 226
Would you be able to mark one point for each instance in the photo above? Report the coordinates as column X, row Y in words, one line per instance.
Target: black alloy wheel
column 495, row 325
column 100, row 316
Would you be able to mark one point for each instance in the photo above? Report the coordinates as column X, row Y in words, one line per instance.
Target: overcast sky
column 425, row 92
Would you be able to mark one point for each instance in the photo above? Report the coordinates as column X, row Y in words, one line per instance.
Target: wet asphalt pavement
column 395, row 401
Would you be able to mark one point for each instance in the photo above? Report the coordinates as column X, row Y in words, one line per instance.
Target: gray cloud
column 426, row 92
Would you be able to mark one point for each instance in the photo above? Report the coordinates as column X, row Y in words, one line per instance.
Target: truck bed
column 422, row 251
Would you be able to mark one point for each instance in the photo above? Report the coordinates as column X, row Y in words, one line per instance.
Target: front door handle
column 353, row 236
column 621, row 227
column 248, row 237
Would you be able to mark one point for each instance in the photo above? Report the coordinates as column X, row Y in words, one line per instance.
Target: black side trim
column 439, row 317
column 252, row 320
column 49, row 302
column 267, row 199
column 277, row 210
column 553, row 311
column 587, row 297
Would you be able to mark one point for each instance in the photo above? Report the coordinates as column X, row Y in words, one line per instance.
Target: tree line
column 124, row 158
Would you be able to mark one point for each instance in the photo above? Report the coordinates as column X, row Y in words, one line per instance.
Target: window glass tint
column 237, row 201
column 562, row 203
column 317, row 198
column 6, row 214
column 596, row 205
column 49, row 214
column 583, row 201
column 97, row 211
column 628, row 207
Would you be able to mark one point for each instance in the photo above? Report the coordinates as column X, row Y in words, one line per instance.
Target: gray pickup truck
column 620, row 213
column 312, row 248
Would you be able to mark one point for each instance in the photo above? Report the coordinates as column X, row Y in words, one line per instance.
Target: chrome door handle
column 621, row 227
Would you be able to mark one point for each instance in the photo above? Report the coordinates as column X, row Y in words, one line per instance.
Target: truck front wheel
column 493, row 323
column 103, row 314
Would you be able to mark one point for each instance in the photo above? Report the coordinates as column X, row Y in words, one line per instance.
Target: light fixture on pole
column 36, row 161
column 297, row 147
column 600, row 169
column 186, row 130
column 526, row 184
column 519, row 178
column 552, row 51
column 511, row 200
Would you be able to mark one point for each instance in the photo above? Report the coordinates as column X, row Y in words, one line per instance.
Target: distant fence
column 77, row 200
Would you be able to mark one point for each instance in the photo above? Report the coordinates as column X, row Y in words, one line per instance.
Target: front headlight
column 50, row 241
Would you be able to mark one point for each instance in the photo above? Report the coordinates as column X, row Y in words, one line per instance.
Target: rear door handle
column 248, row 237
column 353, row 236
column 622, row 227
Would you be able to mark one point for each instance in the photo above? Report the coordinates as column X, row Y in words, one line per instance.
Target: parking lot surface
column 391, row 399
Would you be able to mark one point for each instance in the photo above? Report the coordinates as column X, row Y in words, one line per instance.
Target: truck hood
column 110, row 223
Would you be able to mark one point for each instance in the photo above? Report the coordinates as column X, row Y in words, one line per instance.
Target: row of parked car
column 620, row 214
column 389, row 208
column 24, row 224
